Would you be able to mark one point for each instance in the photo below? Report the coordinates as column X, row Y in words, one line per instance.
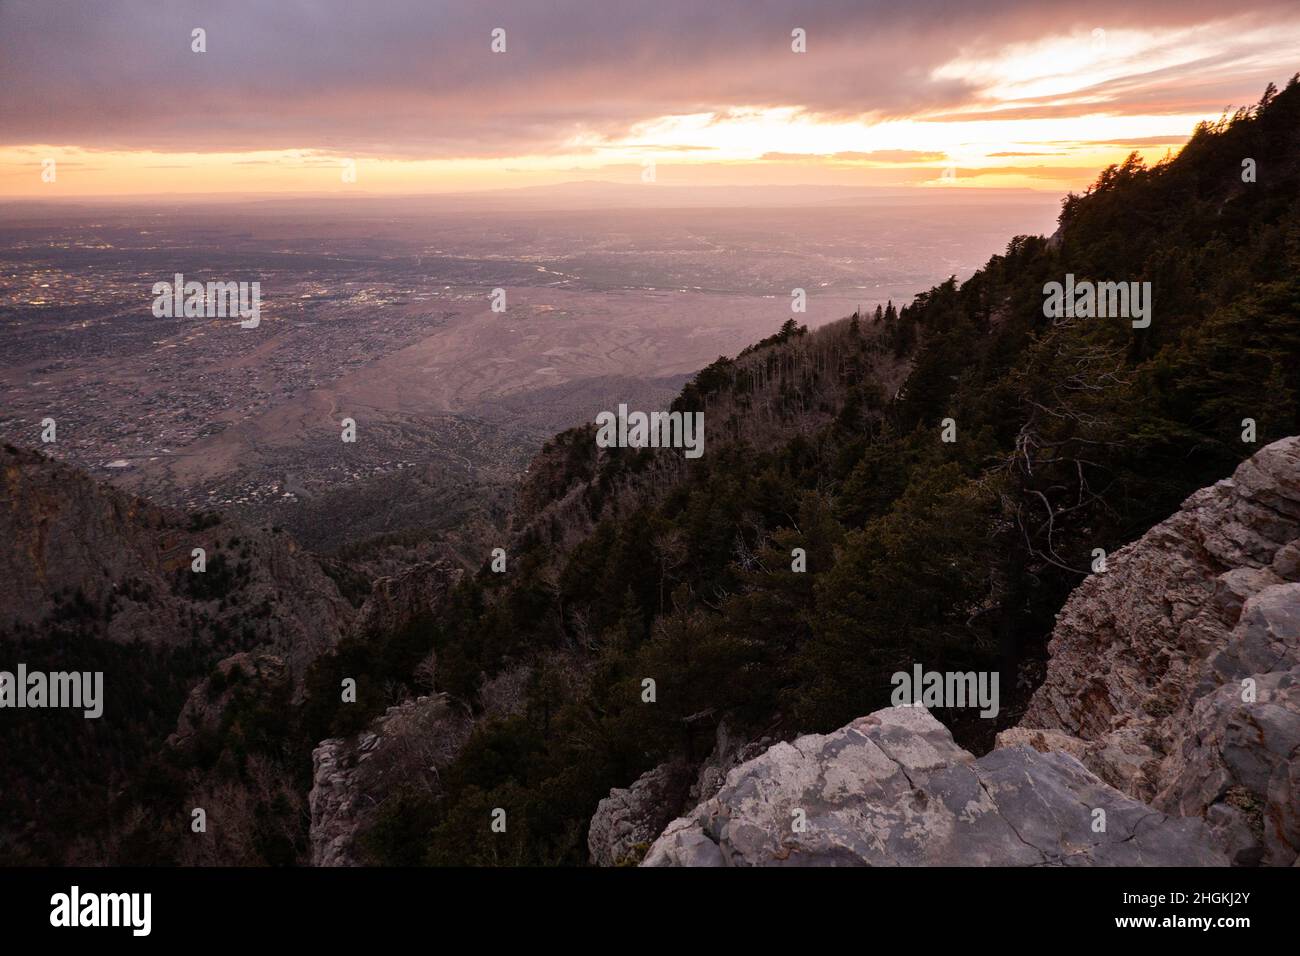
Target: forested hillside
column 1071, row 435
column 99, row 580
column 828, row 537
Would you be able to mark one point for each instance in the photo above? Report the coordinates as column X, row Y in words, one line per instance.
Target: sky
column 397, row 97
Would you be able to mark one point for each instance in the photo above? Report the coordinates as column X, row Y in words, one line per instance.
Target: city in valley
column 458, row 333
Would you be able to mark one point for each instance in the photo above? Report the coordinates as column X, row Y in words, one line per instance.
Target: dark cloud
column 413, row 77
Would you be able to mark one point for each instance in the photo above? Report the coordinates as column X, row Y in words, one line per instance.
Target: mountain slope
column 1070, row 436
column 96, row 580
column 111, row 566
column 653, row 607
column 1177, row 670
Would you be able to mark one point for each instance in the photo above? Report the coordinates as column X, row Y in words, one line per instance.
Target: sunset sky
column 921, row 93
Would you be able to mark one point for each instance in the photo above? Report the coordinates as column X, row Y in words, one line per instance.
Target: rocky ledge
column 1166, row 732
column 1175, row 675
column 893, row 789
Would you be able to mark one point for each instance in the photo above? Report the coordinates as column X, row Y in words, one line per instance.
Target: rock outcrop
column 398, row 601
column 250, row 793
column 352, row 777
column 405, row 748
column 260, row 675
column 1175, row 675
column 84, row 556
column 1170, row 711
column 728, row 751
column 1166, row 731
column 628, row 820
column 893, row 789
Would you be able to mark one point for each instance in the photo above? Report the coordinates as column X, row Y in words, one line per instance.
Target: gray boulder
column 628, row 820
column 1173, row 676
column 893, row 789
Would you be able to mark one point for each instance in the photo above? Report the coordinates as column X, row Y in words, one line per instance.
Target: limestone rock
column 406, row 747
column 728, row 751
column 893, row 789
column 1154, row 663
column 628, row 820
column 1044, row 741
column 1237, row 765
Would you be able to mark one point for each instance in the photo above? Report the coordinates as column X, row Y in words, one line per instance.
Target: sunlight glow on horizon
column 745, row 144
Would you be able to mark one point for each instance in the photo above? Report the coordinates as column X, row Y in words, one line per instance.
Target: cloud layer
column 418, row 79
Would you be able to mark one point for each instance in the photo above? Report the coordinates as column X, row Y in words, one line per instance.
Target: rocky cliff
column 630, row 818
column 405, row 748
column 398, row 600
column 1167, row 730
column 893, row 789
column 353, row 778
column 1175, row 675
column 114, row 566
column 94, row 576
